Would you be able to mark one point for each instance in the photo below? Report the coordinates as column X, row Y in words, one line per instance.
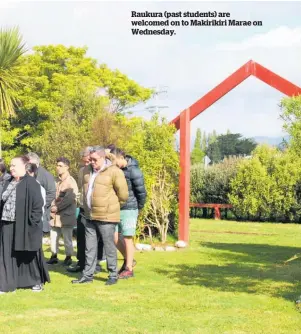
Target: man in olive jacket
column 105, row 191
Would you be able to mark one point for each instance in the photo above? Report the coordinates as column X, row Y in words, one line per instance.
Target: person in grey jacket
column 47, row 181
column 5, row 175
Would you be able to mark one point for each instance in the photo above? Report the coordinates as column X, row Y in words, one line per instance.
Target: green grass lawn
column 230, row 280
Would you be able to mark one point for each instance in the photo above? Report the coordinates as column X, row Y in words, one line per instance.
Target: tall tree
column 212, row 149
column 123, row 92
column 197, row 154
column 64, row 83
column 290, row 113
column 227, row 144
column 245, row 146
column 213, row 152
column 11, row 49
column 204, row 142
column 230, row 144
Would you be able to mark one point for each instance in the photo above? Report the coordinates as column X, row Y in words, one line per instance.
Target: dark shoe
column 124, row 266
column 37, row 288
column 67, row 261
column 98, row 269
column 82, row 280
column 75, row 269
column 111, row 281
column 126, row 274
column 53, row 260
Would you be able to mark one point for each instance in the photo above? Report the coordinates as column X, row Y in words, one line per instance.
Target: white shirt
column 90, row 188
column 91, row 182
column 43, row 192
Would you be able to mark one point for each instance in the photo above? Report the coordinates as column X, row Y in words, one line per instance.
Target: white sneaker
column 37, row 288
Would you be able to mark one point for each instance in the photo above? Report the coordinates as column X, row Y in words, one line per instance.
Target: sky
column 184, row 66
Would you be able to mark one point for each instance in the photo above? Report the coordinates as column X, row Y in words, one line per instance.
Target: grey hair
column 86, row 151
column 100, row 150
column 34, row 158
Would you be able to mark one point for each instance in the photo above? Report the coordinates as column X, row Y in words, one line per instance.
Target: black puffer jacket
column 135, row 181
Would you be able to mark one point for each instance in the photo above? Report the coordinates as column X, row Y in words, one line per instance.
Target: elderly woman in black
column 22, row 263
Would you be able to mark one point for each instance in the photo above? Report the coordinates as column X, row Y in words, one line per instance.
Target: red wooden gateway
column 216, row 207
column 182, row 123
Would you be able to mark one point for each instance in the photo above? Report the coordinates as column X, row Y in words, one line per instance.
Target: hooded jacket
column 109, row 193
column 136, row 186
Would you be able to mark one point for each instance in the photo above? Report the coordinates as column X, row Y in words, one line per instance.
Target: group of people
column 103, row 205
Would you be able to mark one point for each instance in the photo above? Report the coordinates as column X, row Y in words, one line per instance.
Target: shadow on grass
column 61, row 251
column 59, row 268
column 258, row 253
column 249, row 268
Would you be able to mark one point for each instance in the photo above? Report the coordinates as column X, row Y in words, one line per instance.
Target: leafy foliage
column 212, row 184
column 160, row 206
column 230, row 144
column 291, row 114
column 198, row 154
column 11, row 49
column 123, row 92
column 63, row 83
column 265, row 186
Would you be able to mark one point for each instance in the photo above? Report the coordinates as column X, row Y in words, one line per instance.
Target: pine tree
column 204, row 142
column 197, row 154
column 213, row 150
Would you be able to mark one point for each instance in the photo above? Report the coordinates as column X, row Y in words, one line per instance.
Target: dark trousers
column 106, row 230
column 81, row 241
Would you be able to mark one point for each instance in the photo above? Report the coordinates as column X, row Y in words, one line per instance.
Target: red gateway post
column 182, row 123
column 184, row 191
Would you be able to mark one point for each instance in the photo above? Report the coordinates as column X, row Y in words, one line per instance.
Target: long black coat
column 29, row 212
column 136, row 186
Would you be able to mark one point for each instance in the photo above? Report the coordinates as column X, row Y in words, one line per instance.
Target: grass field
column 231, row 280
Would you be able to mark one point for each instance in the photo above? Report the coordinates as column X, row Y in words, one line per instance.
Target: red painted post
column 217, row 213
column 184, row 191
